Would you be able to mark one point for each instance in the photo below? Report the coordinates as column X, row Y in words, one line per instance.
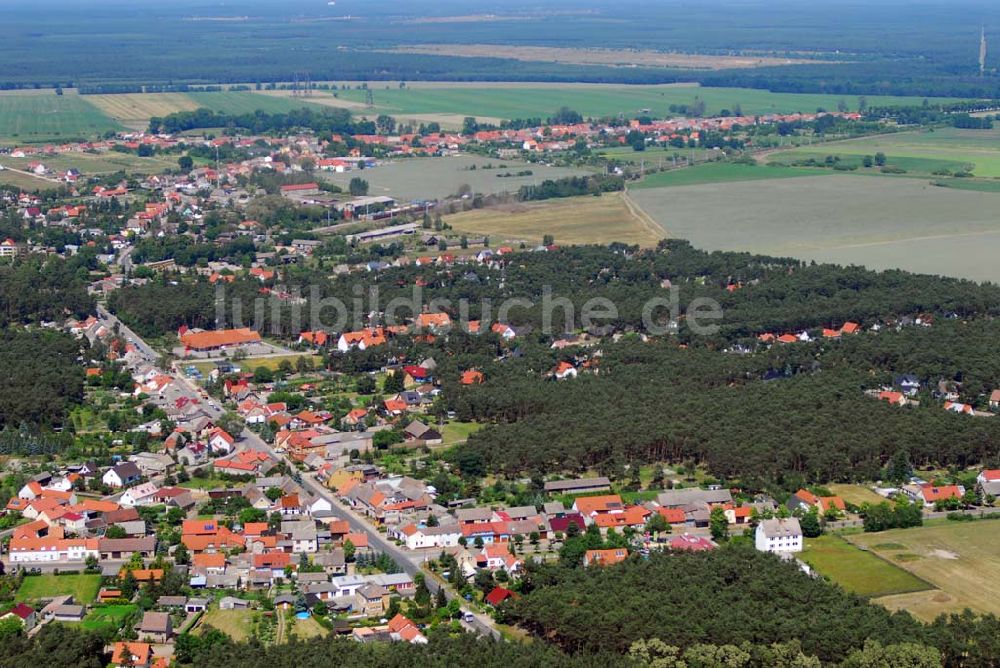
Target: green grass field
column 108, row 617
column 945, row 146
column 975, row 185
column 720, row 172
column 856, row 570
column 242, row 102
column 958, row 558
column 912, row 165
column 50, row 117
column 82, row 587
column 528, row 101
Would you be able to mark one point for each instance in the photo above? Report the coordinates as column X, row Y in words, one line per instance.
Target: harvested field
column 576, row 220
column 135, row 109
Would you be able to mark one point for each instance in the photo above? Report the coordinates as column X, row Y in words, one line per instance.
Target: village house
column 779, row 535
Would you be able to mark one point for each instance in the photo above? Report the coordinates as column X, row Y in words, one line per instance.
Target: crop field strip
column 50, row 117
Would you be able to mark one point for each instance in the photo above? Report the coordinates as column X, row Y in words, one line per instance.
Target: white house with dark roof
column 779, row 535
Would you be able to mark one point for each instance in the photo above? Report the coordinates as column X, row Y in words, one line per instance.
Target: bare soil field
column 878, row 221
column 605, row 57
column 576, row 220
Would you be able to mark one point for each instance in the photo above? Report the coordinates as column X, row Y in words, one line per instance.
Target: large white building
column 53, row 549
column 779, row 535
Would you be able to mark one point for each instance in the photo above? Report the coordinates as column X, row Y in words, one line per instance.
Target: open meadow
column 858, row 571
column 576, row 220
column 437, row 178
column 960, row 559
column 46, row 116
column 880, row 221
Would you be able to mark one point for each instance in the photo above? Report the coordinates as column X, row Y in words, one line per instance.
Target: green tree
column 810, row 523
column 358, row 187
column 718, row 524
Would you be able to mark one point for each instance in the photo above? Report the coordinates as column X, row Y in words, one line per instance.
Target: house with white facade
column 779, row 535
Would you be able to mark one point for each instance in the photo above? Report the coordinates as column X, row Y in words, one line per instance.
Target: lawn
column 306, row 628
column 720, row 172
column 856, row 570
column 856, row 494
column 573, row 220
column 234, row 623
column 82, row 587
column 107, row 617
column 958, row 558
column 517, row 100
column 47, row 117
column 458, row 432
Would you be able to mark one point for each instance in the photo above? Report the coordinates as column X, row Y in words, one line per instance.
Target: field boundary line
column 644, row 218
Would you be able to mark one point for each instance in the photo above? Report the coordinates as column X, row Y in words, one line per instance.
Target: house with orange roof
column 361, row 340
column 132, row 654
column 497, row 556
column 319, row 338
column 472, row 377
column 52, row 549
column 208, row 563
column 805, row 500
column 850, row 328
column 355, row 416
column 607, row 557
column 930, row 494
column 591, row 506
column 219, row 339
column 434, row 322
column 564, row 370
column 633, row 516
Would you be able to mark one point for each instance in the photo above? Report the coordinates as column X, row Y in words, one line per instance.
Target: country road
column 408, row 561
